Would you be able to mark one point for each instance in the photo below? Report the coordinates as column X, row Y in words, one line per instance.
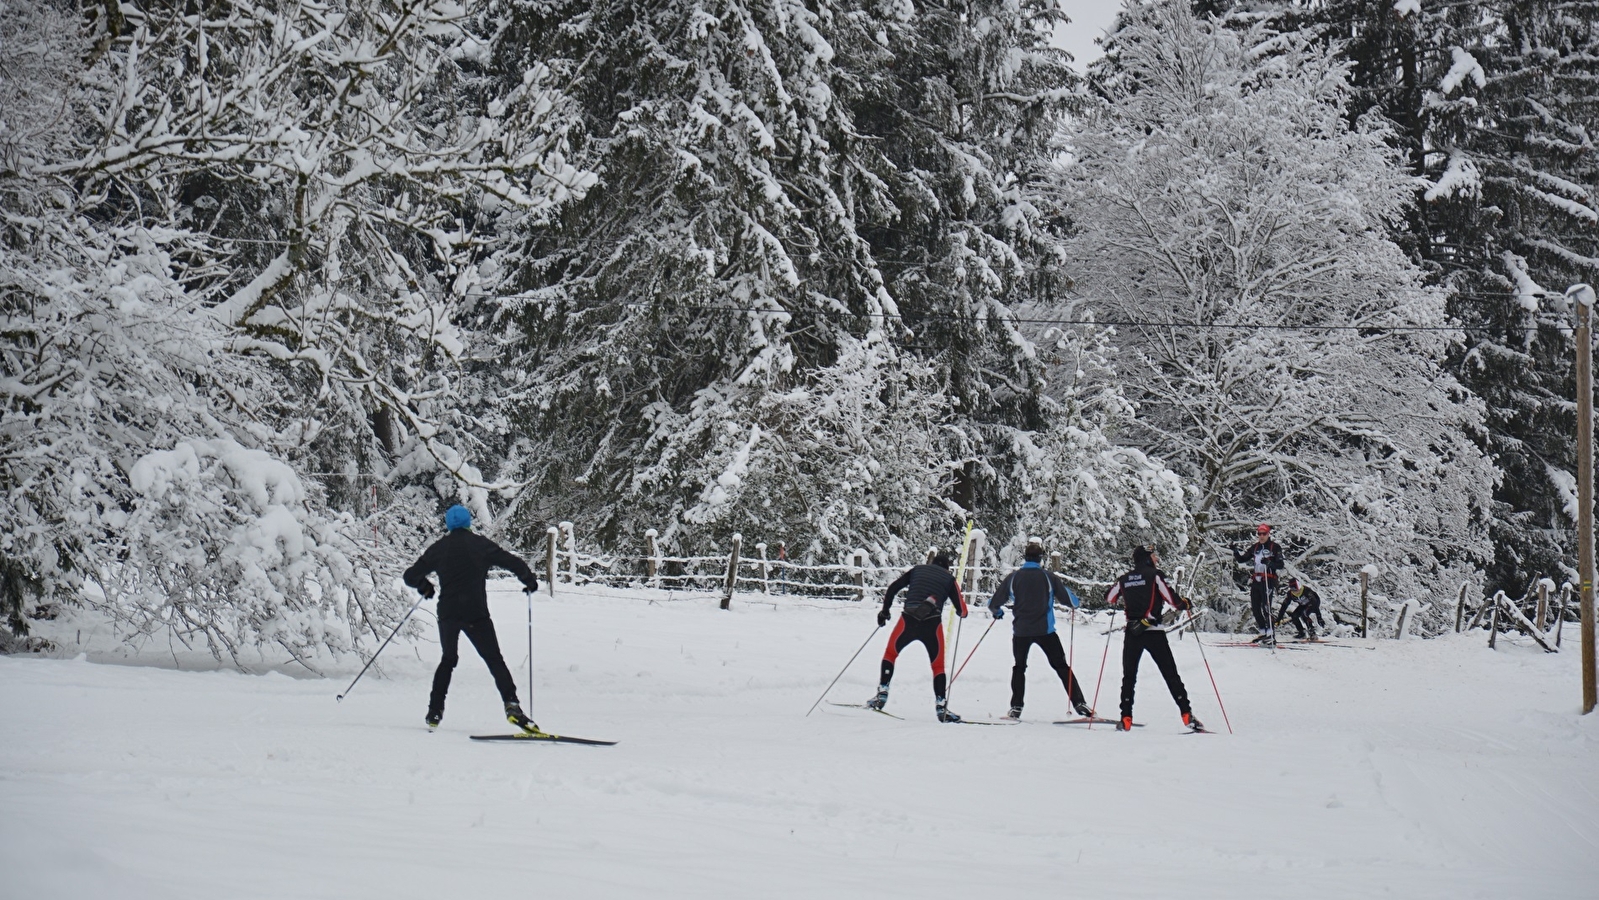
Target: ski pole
column 374, row 658
column 843, row 670
column 955, row 653
column 969, row 656
column 529, row 595
column 1213, row 682
column 1103, row 657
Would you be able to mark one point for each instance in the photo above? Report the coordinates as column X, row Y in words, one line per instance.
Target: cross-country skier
column 1143, row 592
column 1265, row 558
column 926, row 588
column 1032, row 590
column 462, row 561
column 1306, row 603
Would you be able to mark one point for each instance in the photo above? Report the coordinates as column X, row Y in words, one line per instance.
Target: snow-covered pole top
column 1581, row 293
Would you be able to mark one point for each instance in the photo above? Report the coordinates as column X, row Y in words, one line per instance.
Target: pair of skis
column 538, row 736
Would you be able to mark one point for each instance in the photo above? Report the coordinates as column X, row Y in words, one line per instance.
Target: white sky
column 1090, row 18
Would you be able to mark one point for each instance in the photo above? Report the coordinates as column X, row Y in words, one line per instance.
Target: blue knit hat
column 456, row 517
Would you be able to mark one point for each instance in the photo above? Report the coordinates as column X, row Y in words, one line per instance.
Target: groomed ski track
column 1420, row 769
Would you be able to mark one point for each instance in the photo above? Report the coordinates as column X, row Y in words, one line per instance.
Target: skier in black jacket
column 1032, row 590
column 462, row 560
column 926, row 588
column 1265, row 558
column 1306, row 603
column 1143, row 591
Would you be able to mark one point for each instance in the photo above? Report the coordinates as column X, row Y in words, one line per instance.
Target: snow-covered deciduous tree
column 235, row 242
column 1221, row 189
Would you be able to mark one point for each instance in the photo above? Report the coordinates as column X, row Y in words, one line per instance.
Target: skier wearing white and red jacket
column 1143, row 592
column 926, row 588
column 1265, row 558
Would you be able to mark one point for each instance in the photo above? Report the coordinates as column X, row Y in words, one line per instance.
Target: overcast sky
column 1090, row 18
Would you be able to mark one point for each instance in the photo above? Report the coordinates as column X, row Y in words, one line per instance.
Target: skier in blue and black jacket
column 1032, row 591
column 462, row 561
column 926, row 588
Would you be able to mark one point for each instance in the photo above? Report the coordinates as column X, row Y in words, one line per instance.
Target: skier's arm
column 516, row 565
column 417, row 576
column 1169, row 593
column 1001, row 593
column 1114, row 594
column 956, row 597
column 898, row 585
column 1283, row 610
column 1064, row 592
column 1274, row 562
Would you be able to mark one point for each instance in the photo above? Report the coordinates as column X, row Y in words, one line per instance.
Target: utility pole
column 1581, row 295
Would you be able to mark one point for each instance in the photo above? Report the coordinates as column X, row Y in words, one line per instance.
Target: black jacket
column 1308, row 600
column 462, row 560
column 1265, row 560
column 1144, row 591
column 1034, row 591
column 926, row 588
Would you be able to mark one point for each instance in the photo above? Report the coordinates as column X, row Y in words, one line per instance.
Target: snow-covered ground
column 1413, row 769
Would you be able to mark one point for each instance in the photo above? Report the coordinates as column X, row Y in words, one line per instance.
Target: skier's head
column 942, row 560
column 1034, row 551
column 1144, row 556
column 1262, row 532
column 1293, row 585
column 457, row 517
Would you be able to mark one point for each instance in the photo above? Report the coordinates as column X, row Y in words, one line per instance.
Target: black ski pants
column 1260, row 594
column 908, row 630
column 1301, row 617
column 1134, row 646
column 481, row 633
column 1054, row 652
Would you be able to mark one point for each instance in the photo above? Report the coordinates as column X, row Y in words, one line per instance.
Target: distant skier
column 462, row 560
column 1032, row 591
column 1265, row 558
column 1143, row 592
column 1306, row 603
column 926, row 588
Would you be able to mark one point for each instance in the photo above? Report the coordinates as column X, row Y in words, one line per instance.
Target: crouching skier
column 1306, row 603
column 1143, row 592
column 926, row 588
column 1031, row 591
column 462, row 561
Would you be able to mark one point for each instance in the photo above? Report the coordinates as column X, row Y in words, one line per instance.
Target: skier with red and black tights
column 1265, row 559
column 1143, row 592
column 1031, row 591
column 462, row 561
column 926, row 588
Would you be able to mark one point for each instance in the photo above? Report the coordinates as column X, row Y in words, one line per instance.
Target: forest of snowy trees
column 281, row 279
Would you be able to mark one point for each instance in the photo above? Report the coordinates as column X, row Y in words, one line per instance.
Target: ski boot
column 1083, row 709
column 1015, row 713
column 1192, row 722
column 944, row 715
column 881, row 700
column 434, row 717
column 514, row 715
column 1125, row 724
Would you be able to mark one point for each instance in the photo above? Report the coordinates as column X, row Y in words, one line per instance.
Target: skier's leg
column 1132, row 650
column 1160, row 651
column 896, row 642
column 449, row 637
column 1019, row 647
column 932, row 634
column 1056, row 654
column 481, row 634
column 1258, row 604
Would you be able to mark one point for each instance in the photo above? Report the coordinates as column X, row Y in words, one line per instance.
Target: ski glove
column 999, row 612
column 882, row 618
column 426, row 590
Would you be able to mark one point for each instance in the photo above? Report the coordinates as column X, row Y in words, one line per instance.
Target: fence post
column 973, row 554
column 1365, row 589
column 652, row 557
column 1493, row 621
column 1460, row 605
column 766, row 570
column 858, row 560
column 1542, row 618
column 732, row 572
column 1404, row 616
column 1054, row 561
column 571, row 553
column 551, row 536
column 1560, row 623
column 931, row 552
